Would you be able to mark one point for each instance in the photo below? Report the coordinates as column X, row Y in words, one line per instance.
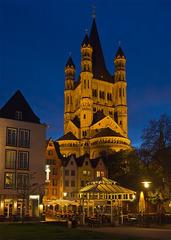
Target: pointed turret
column 120, row 53
column 70, row 63
column 99, row 68
column 69, row 74
column 120, row 90
column 120, row 62
column 86, row 41
column 86, row 54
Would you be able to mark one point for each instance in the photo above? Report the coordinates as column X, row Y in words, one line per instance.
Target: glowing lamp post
column 146, row 185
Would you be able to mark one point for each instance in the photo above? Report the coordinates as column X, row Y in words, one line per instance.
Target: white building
column 22, row 154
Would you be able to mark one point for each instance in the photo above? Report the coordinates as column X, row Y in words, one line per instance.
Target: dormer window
column 18, row 115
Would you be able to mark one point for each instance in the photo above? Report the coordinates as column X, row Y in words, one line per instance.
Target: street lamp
column 146, row 185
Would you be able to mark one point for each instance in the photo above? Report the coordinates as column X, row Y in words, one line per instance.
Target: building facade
column 22, row 154
column 95, row 106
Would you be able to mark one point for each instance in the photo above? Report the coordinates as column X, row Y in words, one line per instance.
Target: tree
column 124, row 167
column 157, row 135
column 155, row 153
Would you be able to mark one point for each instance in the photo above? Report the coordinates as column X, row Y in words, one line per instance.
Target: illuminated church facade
column 95, row 105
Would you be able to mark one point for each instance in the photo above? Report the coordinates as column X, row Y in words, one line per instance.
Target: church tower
column 120, row 85
column 95, row 114
column 86, row 102
column 69, row 85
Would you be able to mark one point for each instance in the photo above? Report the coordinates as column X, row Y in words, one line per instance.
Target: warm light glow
column 41, row 208
column 47, row 170
column 65, row 194
column 34, row 196
column 15, row 205
column 2, row 204
column 146, row 184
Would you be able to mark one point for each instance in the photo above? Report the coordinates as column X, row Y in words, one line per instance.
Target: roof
column 18, row 103
column 70, row 62
column 107, row 132
column 104, row 185
column 68, row 136
column 76, row 121
column 98, row 63
column 99, row 115
column 86, row 40
column 57, row 148
column 120, row 53
column 65, row 160
column 94, row 162
column 80, row 160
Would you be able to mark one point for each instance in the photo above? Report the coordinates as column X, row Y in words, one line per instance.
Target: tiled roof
column 68, row 136
column 98, row 63
column 17, row 103
column 107, row 132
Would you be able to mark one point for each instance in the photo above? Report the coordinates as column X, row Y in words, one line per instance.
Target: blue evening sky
column 36, row 37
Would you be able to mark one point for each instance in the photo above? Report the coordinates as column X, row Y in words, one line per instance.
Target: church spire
column 99, row 67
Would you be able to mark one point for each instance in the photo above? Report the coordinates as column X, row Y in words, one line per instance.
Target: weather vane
column 93, row 11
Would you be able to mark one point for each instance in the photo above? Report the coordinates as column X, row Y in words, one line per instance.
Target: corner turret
column 120, row 84
column 69, row 74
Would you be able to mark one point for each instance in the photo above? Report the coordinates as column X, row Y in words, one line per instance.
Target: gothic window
column 88, row 83
column 67, row 99
column 120, row 92
column 94, row 92
column 84, row 83
column 123, row 92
